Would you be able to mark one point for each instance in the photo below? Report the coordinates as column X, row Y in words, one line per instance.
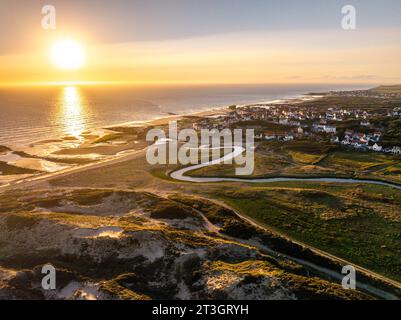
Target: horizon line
column 177, row 83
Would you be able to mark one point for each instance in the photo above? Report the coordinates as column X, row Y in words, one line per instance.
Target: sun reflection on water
column 72, row 112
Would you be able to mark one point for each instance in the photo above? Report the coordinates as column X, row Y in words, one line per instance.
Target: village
column 351, row 128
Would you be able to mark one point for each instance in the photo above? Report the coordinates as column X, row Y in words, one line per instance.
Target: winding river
column 180, row 175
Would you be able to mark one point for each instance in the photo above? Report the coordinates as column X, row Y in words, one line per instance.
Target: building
column 324, row 128
column 396, row 150
column 283, row 121
column 377, row 148
column 288, row 137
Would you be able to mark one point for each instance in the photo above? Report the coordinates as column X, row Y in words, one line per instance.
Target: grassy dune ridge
column 117, row 244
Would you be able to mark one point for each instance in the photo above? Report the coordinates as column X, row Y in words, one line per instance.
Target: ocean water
column 34, row 114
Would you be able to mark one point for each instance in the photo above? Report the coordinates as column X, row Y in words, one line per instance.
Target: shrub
column 170, row 210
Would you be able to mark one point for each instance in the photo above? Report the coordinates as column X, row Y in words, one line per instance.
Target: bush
column 15, row 222
column 170, row 210
column 239, row 229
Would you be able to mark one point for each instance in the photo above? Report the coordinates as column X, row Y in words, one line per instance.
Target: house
column 324, row 128
column 377, row 135
column 268, row 138
column 283, row 121
column 396, row 150
column 345, row 142
column 269, row 135
column 294, row 123
column 358, row 136
column 288, row 137
column 377, row 148
column 335, row 140
column 349, row 133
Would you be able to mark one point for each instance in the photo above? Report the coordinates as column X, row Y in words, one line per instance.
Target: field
column 360, row 223
column 311, row 158
column 367, row 103
column 387, row 89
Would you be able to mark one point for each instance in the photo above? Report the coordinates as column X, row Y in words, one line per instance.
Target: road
column 29, row 182
column 180, row 175
column 334, row 274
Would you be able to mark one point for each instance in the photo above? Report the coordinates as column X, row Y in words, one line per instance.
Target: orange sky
column 308, row 56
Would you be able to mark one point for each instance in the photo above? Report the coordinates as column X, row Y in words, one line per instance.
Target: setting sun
column 67, row 54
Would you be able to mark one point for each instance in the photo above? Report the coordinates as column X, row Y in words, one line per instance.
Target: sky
column 204, row 41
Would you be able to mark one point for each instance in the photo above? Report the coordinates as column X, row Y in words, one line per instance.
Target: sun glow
column 72, row 111
column 67, row 54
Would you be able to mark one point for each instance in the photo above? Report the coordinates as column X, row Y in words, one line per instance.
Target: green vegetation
column 304, row 287
column 387, row 89
column 21, row 221
column 170, row 210
column 229, row 223
column 366, row 103
column 134, row 277
column 87, row 197
column 361, row 225
column 117, row 288
column 308, row 158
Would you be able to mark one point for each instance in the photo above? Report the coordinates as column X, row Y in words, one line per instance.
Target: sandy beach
column 63, row 154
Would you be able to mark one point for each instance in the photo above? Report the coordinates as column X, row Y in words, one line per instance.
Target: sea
column 34, row 114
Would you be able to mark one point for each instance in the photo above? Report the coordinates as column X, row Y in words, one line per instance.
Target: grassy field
column 367, row 103
column 387, row 89
column 312, row 158
column 359, row 223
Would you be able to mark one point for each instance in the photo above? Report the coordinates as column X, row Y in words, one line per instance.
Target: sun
column 67, row 54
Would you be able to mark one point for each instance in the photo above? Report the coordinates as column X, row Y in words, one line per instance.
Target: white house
column 377, row 148
column 324, row 128
column 288, row 138
column 396, row 150
column 335, row 140
column 283, row 121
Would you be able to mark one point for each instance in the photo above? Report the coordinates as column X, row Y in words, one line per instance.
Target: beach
column 60, row 154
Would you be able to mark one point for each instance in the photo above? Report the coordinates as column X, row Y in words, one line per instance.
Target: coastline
column 62, row 153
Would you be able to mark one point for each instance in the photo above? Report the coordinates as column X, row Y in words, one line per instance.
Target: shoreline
column 40, row 155
column 217, row 110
